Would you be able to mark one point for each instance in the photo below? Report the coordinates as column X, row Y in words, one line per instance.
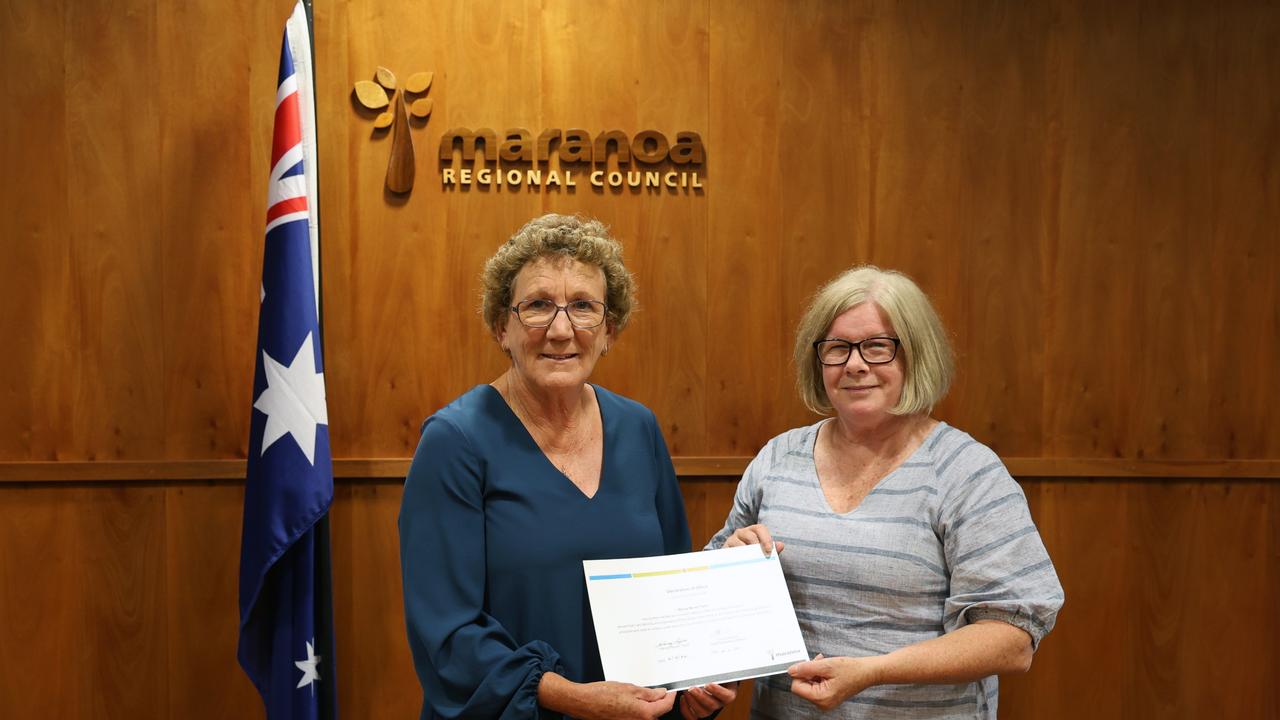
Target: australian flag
column 286, row 612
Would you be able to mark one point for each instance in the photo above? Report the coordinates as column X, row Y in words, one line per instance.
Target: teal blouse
column 492, row 539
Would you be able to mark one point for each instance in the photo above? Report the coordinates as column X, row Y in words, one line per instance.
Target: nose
column 560, row 327
column 855, row 364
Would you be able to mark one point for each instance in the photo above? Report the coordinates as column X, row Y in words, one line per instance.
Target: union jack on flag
column 286, row 610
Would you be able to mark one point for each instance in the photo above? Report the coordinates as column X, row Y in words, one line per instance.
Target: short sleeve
column 468, row 664
column 999, row 568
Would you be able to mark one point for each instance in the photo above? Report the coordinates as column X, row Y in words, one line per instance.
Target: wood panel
column 201, row 577
column 35, row 275
column 1168, row 588
column 1007, row 97
column 747, row 378
column 1240, row 252
column 125, row 635
column 375, row 667
column 85, row 602
column 42, row 600
column 1049, row 171
column 114, row 374
column 1142, row 126
column 1089, row 191
column 120, row 599
column 916, row 109
column 642, row 70
column 211, row 268
column 491, row 75
column 409, row 278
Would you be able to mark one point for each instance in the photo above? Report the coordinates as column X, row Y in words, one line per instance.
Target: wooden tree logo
column 378, row 95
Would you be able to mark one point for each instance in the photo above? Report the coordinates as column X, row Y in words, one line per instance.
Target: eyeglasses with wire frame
column 874, row 350
column 540, row 313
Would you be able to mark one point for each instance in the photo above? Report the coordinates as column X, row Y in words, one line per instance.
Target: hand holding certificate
column 678, row 621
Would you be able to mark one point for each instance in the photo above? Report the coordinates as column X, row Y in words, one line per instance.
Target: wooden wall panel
column 35, row 273
column 917, row 212
column 1240, row 253
column 375, row 668
column 124, row 640
column 491, row 77
column 1089, row 191
column 1170, row 591
column 1173, row 115
column 41, row 600
column 1050, row 172
column 642, row 70
column 824, row 208
column 1005, row 151
column 211, row 268
column 120, row 599
column 744, row 389
column 116, row 373
column 201, row 573
column 1137, row 264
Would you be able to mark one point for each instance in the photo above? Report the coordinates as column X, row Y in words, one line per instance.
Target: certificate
column 678, row 621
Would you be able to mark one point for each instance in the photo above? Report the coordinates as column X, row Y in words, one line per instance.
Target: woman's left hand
column 756, row 534
column 827, row 682
column 699, row 702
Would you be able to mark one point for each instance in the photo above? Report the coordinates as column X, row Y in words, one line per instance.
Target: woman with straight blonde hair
column 916, row 571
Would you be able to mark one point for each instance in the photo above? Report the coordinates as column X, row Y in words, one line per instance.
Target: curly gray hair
column 555, row 236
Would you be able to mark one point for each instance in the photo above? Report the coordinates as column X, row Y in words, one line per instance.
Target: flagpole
column 324, row 568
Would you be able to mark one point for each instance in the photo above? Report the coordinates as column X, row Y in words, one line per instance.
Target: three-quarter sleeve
column 468, row 664
column 669, row 502
column 999, row 568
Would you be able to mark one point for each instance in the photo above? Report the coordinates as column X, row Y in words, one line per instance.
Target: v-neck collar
column 533, row 444
column 813, row 461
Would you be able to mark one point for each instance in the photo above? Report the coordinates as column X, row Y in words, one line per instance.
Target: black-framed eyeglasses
column 539, row 313
column 874, row 350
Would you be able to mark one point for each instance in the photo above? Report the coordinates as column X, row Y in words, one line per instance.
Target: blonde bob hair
column 558, row 236
column 926, row 355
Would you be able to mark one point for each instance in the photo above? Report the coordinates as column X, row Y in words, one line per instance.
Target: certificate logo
column 774, row 655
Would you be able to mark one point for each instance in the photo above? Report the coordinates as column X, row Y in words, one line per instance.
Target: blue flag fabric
column 286, row 620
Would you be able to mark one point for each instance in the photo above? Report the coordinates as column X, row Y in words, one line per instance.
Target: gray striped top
column 943, row 540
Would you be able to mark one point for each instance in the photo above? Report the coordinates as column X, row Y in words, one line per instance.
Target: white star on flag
column 294, row 400
column 308, row 668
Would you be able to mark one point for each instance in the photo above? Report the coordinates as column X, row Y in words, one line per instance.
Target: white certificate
column 678, row 621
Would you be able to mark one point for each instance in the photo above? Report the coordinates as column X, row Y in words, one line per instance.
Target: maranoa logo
column 550, row 159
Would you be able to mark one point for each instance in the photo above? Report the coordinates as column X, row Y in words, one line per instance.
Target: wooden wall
column 1090, row 191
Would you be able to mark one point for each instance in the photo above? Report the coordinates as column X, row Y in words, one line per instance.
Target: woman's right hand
column 605, row 700
column 827, row 682
column 608, row 699
column 754, row 535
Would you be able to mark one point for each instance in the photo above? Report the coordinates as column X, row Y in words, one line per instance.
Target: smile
column 567, row 356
